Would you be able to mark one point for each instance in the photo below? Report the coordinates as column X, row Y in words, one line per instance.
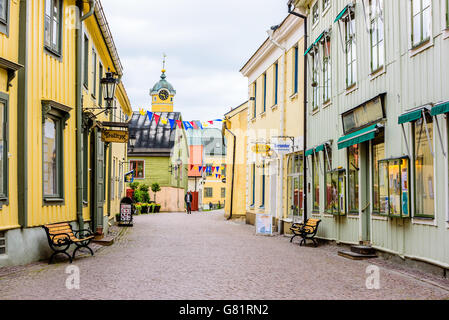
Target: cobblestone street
column 202, row 256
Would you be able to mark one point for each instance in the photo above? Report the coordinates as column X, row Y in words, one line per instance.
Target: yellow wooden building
column 53, row 55
column 235, row 129
column 275, row 125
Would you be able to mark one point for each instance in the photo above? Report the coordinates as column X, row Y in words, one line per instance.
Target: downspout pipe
column 233, row 170
column 79, row 114
column 304, row 17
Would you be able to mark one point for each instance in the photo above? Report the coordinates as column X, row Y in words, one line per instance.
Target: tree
column 134, row 185
column 155, row 187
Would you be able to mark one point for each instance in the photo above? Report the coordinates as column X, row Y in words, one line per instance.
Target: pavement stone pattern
column 203, row 256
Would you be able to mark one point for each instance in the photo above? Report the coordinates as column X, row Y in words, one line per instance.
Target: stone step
column 360, row 249
column 105, row 241
column 356, row 256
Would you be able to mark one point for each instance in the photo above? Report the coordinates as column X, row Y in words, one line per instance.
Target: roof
column 238, row 109
column 163, row 84
column 153, row 139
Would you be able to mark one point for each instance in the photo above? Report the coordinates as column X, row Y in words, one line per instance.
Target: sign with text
column 260, row 148
column 114, row 136
column 264, row 224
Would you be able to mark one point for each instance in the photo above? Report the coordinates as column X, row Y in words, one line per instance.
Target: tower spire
column 163, row 62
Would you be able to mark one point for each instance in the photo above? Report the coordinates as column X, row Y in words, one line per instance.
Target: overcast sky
column 206, row 42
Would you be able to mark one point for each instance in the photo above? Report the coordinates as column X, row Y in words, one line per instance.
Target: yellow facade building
column 235, row 129
column 275, row 125
column 214, row 190
column 53, row 55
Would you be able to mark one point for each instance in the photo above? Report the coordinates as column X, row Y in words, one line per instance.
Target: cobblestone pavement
column 202, row 256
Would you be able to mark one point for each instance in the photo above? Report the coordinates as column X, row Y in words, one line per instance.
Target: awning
column 440, row 109
column 357, row 137
column 309, row 152
column 315, row 43
column 319, row 148
column 340, row 15
column 308, row 50
column 411, row 116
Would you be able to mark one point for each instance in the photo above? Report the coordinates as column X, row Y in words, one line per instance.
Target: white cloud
column 207, row 42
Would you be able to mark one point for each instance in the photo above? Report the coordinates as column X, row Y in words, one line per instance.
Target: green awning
column 308, row 50
column 341, row 14
column 357, row 137
column 319, row 148
column 411, row 116
column 309, row 152
column 440, row 109
column 319, row 38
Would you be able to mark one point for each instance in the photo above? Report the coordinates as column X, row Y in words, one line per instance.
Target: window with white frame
column 94, row 73
column 326, row 4
column 421, row 21
column 351, row 50
column 138, row 167
column 315, row 82
column 53, row 25
column 424, row 167
column 316, row 182
column 377, row 34
column 315, row 13
column 326, row 69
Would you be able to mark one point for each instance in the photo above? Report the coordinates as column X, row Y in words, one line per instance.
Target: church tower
column 162, row 94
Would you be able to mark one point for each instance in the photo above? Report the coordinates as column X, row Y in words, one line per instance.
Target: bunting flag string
column 194, row 124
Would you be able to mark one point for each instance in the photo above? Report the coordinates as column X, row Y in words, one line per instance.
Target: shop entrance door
column 97, row 181
column 364, row 192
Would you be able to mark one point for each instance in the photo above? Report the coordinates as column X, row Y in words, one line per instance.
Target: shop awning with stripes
column 320, row 148
column 309, row 152
column 357, row 137
column 441, row 108
column 341, row 14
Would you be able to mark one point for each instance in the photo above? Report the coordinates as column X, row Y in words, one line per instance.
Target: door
column 98, row 186
column 364, row 192
column 296, row 198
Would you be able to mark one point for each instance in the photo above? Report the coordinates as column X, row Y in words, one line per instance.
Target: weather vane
column 163, row 62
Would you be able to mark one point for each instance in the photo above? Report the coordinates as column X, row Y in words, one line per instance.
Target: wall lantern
column 109, row 85
column 132, row 141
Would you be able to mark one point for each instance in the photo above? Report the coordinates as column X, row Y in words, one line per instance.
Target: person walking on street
column 188, row 200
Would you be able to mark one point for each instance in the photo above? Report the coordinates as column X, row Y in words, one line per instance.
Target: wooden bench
column 306, row 231
column 61, row 235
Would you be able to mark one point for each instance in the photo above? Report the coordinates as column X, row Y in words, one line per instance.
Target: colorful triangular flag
column 142, row 111
column 187, row 125
column 156, row 118
column 172, row 123
column 150, row 115
column 179, row 123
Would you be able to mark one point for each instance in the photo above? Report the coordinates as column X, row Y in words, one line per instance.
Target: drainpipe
column 290, row 10
column 79, row 114
column 233, row 169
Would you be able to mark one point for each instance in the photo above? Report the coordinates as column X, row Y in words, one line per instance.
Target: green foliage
column 138, row 196
column 134, row 185
column 144, row 187
column 145, row 196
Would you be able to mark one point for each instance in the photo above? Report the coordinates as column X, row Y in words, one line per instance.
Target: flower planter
column 157, row 208
column 151, row 208
column 117, row 217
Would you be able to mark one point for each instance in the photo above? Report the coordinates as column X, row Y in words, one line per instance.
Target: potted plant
column 151, row 208
column 117, row 217
column 138, row 197
column 157, row 208
column 138, row 208
column 145, row 208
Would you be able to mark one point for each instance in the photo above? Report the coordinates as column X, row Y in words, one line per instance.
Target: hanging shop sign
column 364, row 115
column 116, row 136
column 260, row 148
column 129, row 177
column 282, row 145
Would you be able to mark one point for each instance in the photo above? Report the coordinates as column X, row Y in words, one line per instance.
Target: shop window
column 377, row 34
column 138, row 167
column 421, row 21
column 336, row 192
column 330, row 191
column 53, row 26
column 253, row 184
column 208, row 192
column 3, row 147
column 394, row 188
column 223, row 192
column 353, row 179
column 52, row 156
column 316, row 182
column 424, row 167
column 295, row 185
column 378, row 152
column 351, row 51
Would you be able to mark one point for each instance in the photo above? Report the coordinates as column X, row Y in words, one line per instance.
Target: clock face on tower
column 164, row 94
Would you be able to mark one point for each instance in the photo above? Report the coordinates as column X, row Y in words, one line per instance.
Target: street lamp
column 109, row 84
column 132, row 141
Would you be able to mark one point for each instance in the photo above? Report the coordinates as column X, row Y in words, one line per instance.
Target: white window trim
column 419, row 220
column 380, row 70
column 424, row 46
column 326, row 9
column 444, row 26
column 314, row 24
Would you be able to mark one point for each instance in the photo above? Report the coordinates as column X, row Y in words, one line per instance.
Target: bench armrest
column 60, row 241
column 83, row 233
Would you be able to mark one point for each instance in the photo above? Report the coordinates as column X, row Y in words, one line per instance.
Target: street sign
column 260, row 148
column 116, row 136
